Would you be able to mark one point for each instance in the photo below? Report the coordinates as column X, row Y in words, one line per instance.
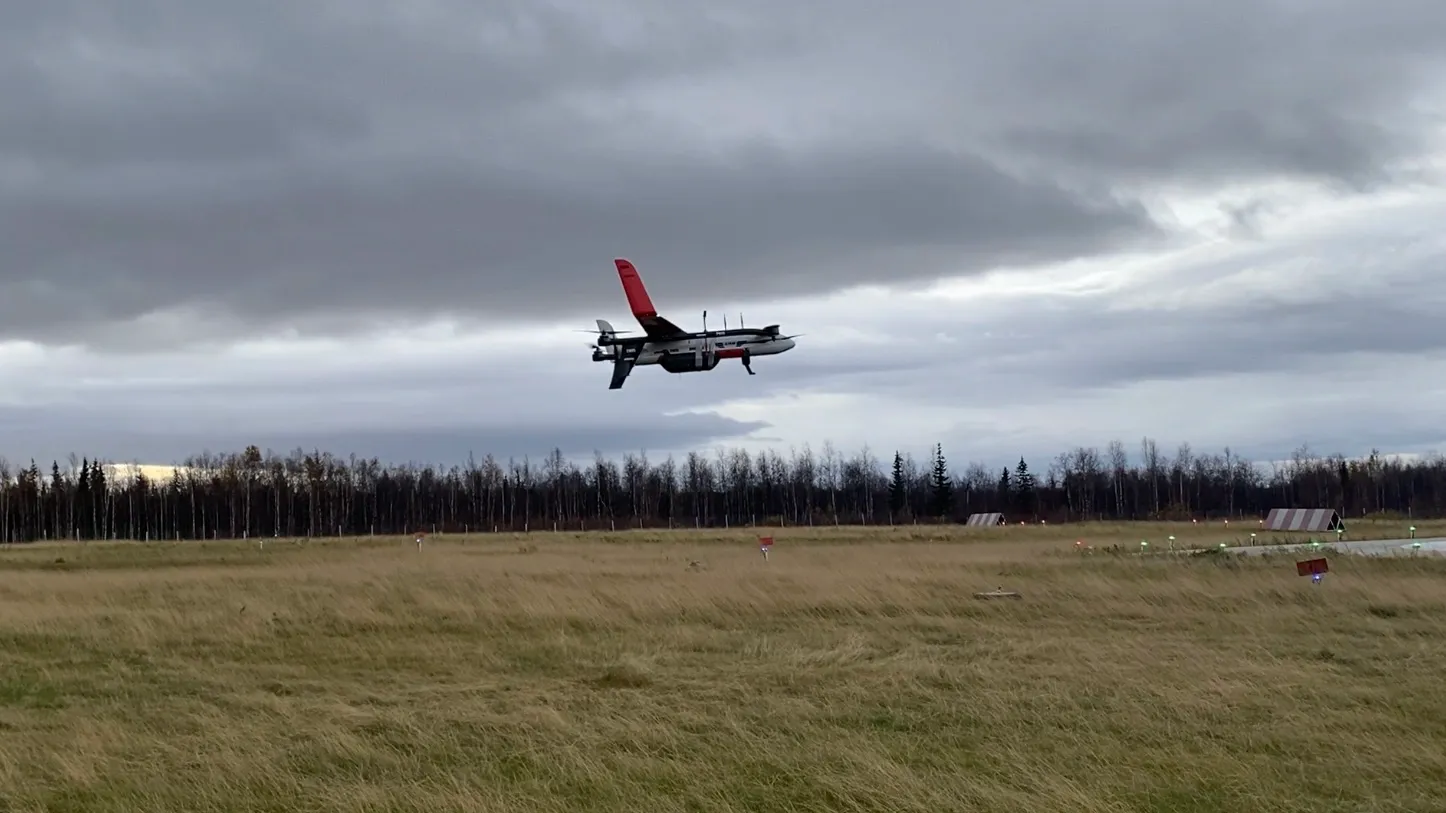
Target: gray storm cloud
column 1313, row 301
column 307, row 163
column 1271, row 367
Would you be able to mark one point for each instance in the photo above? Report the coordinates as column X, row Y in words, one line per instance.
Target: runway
column 1371, row 547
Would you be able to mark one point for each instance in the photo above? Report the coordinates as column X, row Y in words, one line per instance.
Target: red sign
column 1311, row 567
column 765, row 541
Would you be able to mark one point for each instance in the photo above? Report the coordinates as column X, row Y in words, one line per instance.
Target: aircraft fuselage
column 672, row 348
column 696, row 352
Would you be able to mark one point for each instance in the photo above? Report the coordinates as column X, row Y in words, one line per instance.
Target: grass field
column 678, row 671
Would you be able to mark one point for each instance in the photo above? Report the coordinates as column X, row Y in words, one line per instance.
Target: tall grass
column 683, row 672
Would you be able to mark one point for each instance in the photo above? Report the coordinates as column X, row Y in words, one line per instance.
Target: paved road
column 1372, row 547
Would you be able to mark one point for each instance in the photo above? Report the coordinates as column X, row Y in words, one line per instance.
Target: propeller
column 599, row 333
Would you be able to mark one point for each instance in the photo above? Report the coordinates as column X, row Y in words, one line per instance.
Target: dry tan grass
column 681, row 672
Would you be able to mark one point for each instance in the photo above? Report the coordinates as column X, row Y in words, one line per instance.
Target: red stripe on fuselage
column 637, row 294
column 731, row 353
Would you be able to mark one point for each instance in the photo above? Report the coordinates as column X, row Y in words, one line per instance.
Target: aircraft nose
column 787, row 344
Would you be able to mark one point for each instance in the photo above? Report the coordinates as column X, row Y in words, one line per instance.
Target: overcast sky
column 1011, row 228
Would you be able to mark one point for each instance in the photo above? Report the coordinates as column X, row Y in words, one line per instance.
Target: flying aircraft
column 673, row 348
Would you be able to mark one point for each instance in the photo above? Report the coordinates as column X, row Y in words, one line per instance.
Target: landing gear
column 746, row 365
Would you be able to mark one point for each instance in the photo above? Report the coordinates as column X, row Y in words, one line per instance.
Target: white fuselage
column 690, row 354
column 722, row 347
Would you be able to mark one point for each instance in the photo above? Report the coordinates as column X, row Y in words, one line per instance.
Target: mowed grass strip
column 682, row 672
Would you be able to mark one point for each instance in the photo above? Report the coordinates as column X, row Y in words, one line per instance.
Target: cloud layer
column 1261, row 346
column 183, row 180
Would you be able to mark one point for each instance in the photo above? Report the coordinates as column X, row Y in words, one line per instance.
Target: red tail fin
column 638, row 299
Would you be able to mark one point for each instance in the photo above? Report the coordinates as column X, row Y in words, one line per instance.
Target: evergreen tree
column 1024, row 488
column 898, row 488
column 249, row 493
column 941, row 484
column 57, row 499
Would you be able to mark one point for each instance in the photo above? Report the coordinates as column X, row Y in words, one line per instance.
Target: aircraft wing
column 642, row 305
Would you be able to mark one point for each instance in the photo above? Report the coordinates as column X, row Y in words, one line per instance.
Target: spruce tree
column 1024, row 487
column 942, row 484
column 898, row 489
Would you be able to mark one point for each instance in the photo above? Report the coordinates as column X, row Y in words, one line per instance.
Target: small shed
column 1311, row 520
column 995, row 518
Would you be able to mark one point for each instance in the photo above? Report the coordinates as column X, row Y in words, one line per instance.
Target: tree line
column 249, row 494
